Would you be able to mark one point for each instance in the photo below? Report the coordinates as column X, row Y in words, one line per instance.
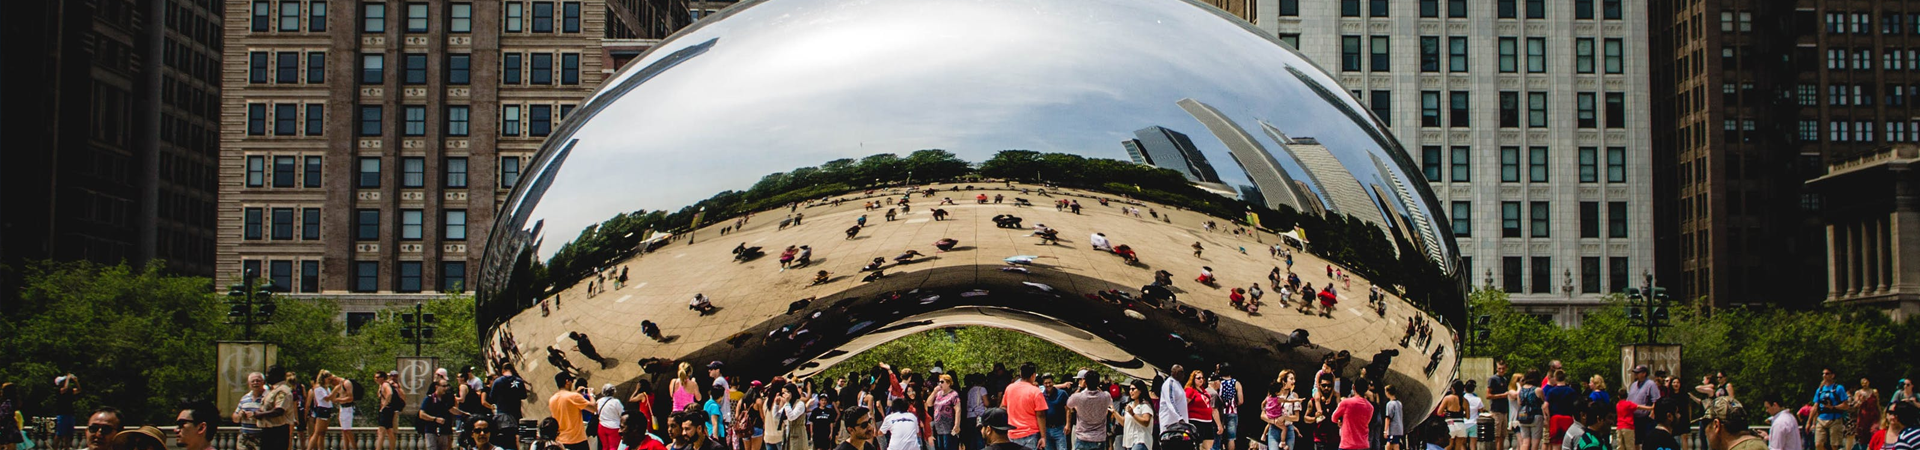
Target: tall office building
column 1254, row 159
column 111, row 133
column 367, row 144
column 1529, row 119
column 1168, row 149
column 1758, row 96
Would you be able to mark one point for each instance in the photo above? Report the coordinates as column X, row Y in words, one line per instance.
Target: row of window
column 1892, row 23
column 453, row 224
column 256, row 224
column 289, row 15
column 538, row 119
column 277, row 224
column 539, row 68
column 366, row 275
column 1515, row 276
column 1862, row 59
column 1377, row 56
column 286, row 119
column 1837, row 131
column 305, row 171
column 285, row 67
column 1506, row 9
column 1587, row 113
column 1458, row 163
column 1539, row 219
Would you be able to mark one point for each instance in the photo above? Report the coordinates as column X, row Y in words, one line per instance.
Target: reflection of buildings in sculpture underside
column 624, row 154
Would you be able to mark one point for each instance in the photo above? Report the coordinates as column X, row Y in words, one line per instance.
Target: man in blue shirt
column 1830, row 404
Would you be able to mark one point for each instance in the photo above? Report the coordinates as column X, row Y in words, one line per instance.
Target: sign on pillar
column 416, row 380
column 237, row 359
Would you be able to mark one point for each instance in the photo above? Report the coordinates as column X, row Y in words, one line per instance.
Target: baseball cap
column 1640, row 368
column 716, row 365
column 1725, row 409
column 1081, row 375
column 996, row 418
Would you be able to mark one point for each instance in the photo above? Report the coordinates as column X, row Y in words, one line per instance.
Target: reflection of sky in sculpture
column 794, row 83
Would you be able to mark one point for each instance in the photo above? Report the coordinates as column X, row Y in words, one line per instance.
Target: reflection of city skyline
column 1266, row 174
column 1161, row 147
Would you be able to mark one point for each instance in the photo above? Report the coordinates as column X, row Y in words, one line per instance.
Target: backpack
column 397, row 401
column 1591, row 441
column 1529, row 405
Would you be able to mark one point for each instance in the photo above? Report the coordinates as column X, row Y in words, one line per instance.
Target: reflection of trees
column 1355, row 244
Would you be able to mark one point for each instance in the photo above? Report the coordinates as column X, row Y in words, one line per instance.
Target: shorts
column 1203, row 430
column 1623, row 438
column 346, row 416
column 1230, row 427
column 386, row 418
column 320, row 413
column 1397, row 440
column 63, row 425
column 1557, row 428
column 1530, row 430
column 1459, row 428
column 1829, row 433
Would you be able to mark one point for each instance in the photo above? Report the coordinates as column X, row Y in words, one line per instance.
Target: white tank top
column 320, row 395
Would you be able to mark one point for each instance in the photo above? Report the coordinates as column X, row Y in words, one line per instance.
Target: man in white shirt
column 1783, row 432
column 1173, row 398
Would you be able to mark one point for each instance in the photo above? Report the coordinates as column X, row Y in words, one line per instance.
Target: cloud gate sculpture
column 791, row 182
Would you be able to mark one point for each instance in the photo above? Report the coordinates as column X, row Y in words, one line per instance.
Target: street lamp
column 417, row 327
column 1647, row 306
column 250, row 303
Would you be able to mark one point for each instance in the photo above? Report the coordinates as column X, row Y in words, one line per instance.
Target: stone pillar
column 1850, row 252
column 1869, row 257
column 1834, row 262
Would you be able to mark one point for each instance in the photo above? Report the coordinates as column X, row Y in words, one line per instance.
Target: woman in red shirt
column 1200, row 409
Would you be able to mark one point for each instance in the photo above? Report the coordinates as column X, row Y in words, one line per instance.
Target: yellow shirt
column 565, row 406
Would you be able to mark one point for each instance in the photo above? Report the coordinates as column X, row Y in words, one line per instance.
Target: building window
column 286, row 67
column 366, row 276
column 509, row 171
column 1462, row 217
column 1536, row 9
column 1616, row 164
column 565, row 110
column 366, row 225
column 373, row 67
column 310, row 224
column 413, row 172
column 460, row 18
column 1613, row 49
column 510, row 120
column 373, row 17
column 257, row 67
column 256, row 171
column 1507, row 9
column 1537, row 164
column 416, row 68
column 1509, row 164
column 409, row 276
column 456, row 225
column 457, row 120
column 1429, row 54
column 569, row 68
column 280, row 276
column 311, row 176
column 1381, row 102
column 1456, row 8
column 369, row 173
column 1430, row 108
column 1538, row 214
column 1616, row 110
column 1460, row 164
column 1350, row 53
column 1610, row 10
column 456, row 172
column 262, row 16
column 1536, row 55
column 1457, row 109
column 316, row 67
column 1509, row 50
column 282, row 224
column 1583, row 55
column 1289, row 8
column 411, row 221
column 257, row 119
column 1589, row 165
column 515, row 15
column 1617, row 219
column 543, row 17
column 286, row 119
column 1810, row 131
column 1589, row 219
column 459, row 69
column 1542, row 275
column 1509, row 109
column 1584, row 114
column 283, row 171
column 1380, row 61
column 1510, row 219
column 1349, row 8
column 510, row 68
column 1377, row 8
column 252, row 218
column 1617, row 277
column 1583, row 9
column 1510, row 275
column 309, row 276
column 570, row 17
column 542, row 71
column 289, row 15
column 1291, row 39
column 1432, row 161
column 1807, row 94
column 1456, row 54
column 1429, row 8
column 415, row 120
column 370, row 120
column 541, row 121
column 416, row 17
column 453, row 276
column 1536, row 109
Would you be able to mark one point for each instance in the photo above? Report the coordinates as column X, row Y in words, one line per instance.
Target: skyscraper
column 1164, row 148
column 1530, row 116
column 1265, row 172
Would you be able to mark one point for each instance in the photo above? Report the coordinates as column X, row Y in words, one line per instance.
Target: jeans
column 945, row 442
column 1089, row 445
column 1278, row 438
column 1030, row 442
column 1229, row 431
column 1056, row 438
column 765, row 446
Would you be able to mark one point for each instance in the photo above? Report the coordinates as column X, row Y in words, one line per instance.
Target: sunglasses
column 184, row 422
column 863, row 424
column 99, row 428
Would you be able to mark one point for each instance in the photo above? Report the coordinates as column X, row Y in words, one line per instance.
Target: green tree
column 969, row 350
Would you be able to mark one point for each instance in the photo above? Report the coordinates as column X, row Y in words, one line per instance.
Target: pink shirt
column 1353, row 415
column 1024, row 405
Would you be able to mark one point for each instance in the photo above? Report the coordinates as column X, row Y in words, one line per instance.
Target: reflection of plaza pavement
column 757, row 292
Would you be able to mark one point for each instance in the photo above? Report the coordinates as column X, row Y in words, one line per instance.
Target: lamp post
column 1647, row 307
column 417, row 327
column 249, row 303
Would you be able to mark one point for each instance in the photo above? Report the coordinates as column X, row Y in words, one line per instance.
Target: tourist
column 1227, row 401
column 945, row 407
column 434, row 421
column 945, row 244
column 901, row 428
column 1726, row 426
column 1026, row 409
column 823, row 421
column 691, row 432
column 683, row 389
column 1087, row 412
column 976, row 406
column 480, row 432
column 385, row 432
column 1056, row 423
column 1530, row 412
column 1352, row 416
column 1643, row 393
column 994, row 427
column 1173, row 398
column 1904, row 421
column 1830, row 402
column 1100, row 243
column 701, row 303
column 607, row 410
column 1474, row 406
column 344, row 397
column 1783, row 429
column 1498, row 397
column 1137, row 423
column 320, row 410
column 195, row 424
column 142, row 438
column 565, row 406
column 1280, row 410
column 1560, row 407
column 506, row 394
column 716, row 418
column 1200, row 409
column 1396, row 418
column 249, row 404
column 65, row 395
column 1866, row 409
column 1624, row 430
column 1453, row 409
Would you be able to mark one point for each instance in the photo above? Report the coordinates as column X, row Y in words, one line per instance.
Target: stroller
column 1179, row 436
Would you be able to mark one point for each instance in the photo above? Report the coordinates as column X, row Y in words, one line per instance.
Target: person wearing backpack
column 1527, row 411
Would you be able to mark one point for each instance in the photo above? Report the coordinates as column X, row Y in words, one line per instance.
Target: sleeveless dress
column 681, row 398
